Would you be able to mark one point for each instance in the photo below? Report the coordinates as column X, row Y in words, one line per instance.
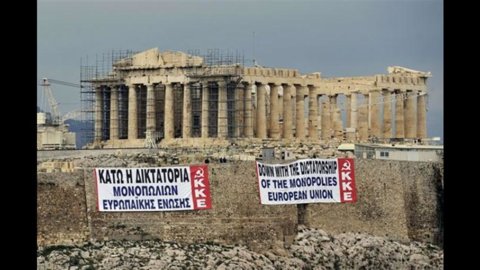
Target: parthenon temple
column 155, row 97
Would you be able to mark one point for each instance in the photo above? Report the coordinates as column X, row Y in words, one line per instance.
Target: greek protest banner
column 307, row 181
column 153, row 189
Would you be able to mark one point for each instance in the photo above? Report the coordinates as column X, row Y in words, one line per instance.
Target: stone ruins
column 158, row 97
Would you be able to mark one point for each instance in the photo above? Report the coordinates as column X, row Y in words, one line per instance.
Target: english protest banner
column 307, row 181
column 153, row 189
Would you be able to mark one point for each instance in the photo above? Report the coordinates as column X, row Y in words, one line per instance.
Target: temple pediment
column 403, row 70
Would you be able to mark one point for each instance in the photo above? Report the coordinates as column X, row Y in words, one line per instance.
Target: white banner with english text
column 307, row 181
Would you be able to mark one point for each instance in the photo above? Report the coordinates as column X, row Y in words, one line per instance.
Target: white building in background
column 53, row 136
column 400, row 152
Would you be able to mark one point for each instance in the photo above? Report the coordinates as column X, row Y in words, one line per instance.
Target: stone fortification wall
column 398, row 199
column 61, row 208
column 235, row 217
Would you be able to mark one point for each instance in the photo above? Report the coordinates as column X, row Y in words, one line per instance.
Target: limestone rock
column 311, row 249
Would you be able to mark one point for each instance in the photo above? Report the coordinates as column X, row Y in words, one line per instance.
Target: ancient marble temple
column 156, row 97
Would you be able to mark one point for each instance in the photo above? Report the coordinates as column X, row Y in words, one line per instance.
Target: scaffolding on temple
column 217, row 57
column 216, row 63
column 100, row 69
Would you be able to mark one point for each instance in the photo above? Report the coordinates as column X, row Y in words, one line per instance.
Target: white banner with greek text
column 153, row 189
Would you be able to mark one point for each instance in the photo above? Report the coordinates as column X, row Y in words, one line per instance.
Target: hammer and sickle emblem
column 199, row 173
column 346, row 166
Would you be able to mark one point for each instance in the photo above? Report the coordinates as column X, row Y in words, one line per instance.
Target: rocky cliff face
column 311, row 249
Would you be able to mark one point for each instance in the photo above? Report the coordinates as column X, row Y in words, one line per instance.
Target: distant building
column 400, row 152
column 287, row 155
column 268, row 153
column 53, row 136
column 345, row 147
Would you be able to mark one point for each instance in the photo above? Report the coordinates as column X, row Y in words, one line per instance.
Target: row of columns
column 410, row 114
column 222, row 123
column 410, row 121
column 299, row 92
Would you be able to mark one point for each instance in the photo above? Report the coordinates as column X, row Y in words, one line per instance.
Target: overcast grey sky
column 336, row 38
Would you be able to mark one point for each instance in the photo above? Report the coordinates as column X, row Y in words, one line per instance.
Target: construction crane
column 52, row 102
column 53, row 133
column 57, row 119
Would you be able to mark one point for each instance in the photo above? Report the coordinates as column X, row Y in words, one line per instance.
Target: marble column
column 300, row 114
column 333, row 114
column 248, row 111
column 261, row 112
column 205, row 90
column 375, row 113
column 348, row 109
column 151, row 113
column 319, row 115
column 114, row 112
column 421, row 116
column 312, row 113
column 333, row 108
column 222, row 122
column 354, row 111
column 169, row 118
column 98, row 113
column 338, row 124
column 132, row 112
column 410, row 116
column 363, row 119
column 239, row 107
column 274, row 113
column 326, row 121
column 287, row 111
column 187, row 111
column 399, row 115
column 387, row 115
column 280, row 111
